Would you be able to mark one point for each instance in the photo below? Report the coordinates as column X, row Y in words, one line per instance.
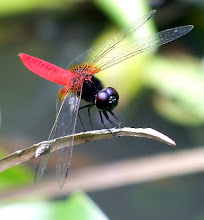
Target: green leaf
column 16, row 6
column 15, row 176
column 180, row 87
column 79, row 207
column 123, row 12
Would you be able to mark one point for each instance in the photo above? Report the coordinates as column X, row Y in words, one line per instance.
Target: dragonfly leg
column 90, row 116
column 119, row 122
column 101, row 117
column 81, row 122
column 107, row 117
column 85, row 106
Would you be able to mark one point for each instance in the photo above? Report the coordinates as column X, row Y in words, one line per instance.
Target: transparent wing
column 43, row 163
column 67, row 110
column 98, row 52
column 66, row 126
column 133, row 48
column 105, row 55
column 116, row 49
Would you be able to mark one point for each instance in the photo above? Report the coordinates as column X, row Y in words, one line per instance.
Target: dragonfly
column 79, row 82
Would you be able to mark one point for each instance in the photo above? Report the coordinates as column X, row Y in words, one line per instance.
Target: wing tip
column 186, row 29
column 151, row 14
column 190, row 27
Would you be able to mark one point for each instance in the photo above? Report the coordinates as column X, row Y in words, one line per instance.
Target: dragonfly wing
column 43, row 163
column 116, row 49
column 67, row 109
column 66, row 123
column 93, row 55
column 133, row 48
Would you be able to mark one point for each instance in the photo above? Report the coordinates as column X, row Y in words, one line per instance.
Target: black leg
column 89, row 106
column 107, row 117
column 81, row 122
column 86, row 106
column 90, row 116
column 101, row 117
column 119, row 122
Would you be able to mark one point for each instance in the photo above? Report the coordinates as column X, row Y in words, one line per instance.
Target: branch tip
column 41, row 148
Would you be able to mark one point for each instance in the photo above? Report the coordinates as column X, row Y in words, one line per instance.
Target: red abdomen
column 47, row 70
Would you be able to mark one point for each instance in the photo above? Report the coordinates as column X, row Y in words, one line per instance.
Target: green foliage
column 179, row 85
column 16, row 176
column 11, row 7
column 123, row 12
column 78, row 207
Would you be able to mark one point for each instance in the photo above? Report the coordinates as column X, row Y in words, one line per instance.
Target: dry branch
column 115, row 174
column 89, row 136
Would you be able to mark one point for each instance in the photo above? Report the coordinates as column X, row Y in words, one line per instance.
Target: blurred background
column 162, row 89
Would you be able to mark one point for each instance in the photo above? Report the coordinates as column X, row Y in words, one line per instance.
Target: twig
column 89, row 136
column 116, row 174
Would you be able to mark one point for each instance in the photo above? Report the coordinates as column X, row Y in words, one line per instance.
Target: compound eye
column 102, row 100
column 112, row 92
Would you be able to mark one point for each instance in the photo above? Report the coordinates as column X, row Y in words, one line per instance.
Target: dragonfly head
column 107, row 99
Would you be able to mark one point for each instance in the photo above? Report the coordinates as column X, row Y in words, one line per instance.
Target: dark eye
column 107, row 99
column 102, row 99
column 112, row 92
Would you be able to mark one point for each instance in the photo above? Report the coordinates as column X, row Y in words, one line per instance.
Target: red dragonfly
column 80, row 82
